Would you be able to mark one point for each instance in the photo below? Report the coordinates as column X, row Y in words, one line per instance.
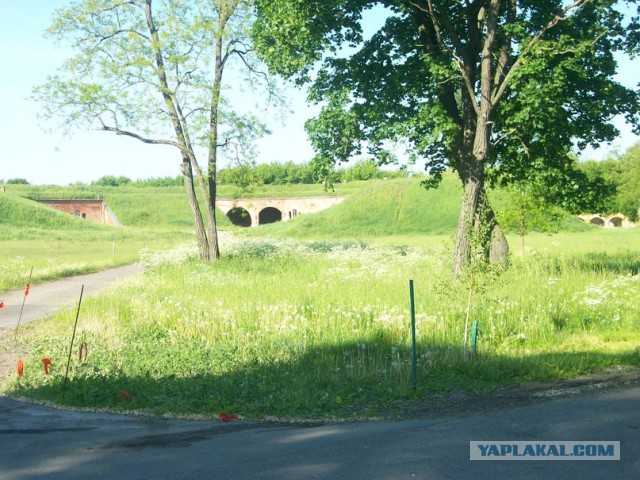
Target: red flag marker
column 26, row 289
column 20, row 369
column 46, row 362
column 226, row 418
column 3, row 306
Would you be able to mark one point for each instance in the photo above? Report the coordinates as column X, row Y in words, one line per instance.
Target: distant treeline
column 621, row 174
column 295, row 173
column 260, row 174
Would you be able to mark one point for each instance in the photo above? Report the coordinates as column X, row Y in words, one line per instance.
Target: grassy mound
column 153, row 207
column 19, row 212
column 384, row 208
column 401, row 207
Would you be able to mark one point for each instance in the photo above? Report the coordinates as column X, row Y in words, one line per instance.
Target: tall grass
column 57, row 245
column 321, row 329
column 55, row 254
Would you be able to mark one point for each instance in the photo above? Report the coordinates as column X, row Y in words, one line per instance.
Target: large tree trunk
column 201, row 236
column 212, row 167
column 473, row 192
column 212, row 223
column 477, row 221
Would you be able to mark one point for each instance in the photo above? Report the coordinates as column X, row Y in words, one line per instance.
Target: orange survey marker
column 46, row 362
column 20, row 369
column 24, row 298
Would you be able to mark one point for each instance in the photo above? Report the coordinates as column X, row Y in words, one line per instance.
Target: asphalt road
column 47, row 298
column 43, row 443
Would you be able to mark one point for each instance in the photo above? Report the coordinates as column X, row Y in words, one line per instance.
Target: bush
column 17, row 181
column 111, row 181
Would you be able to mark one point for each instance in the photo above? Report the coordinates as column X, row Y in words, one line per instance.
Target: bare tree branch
column 127, row 133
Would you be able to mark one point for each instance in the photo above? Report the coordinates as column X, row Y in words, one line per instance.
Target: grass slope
column 385, row 208
column 153, row 207
column 393, row 207
column 18, row 212
column 55, row 244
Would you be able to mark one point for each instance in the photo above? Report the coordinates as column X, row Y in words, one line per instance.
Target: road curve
column 38, row 443
column 45, row 299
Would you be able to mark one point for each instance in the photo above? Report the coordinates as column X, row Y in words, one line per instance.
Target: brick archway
column 269, row 215
column 239, row 216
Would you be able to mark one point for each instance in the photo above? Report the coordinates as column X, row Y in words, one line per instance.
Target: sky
column 30, row 150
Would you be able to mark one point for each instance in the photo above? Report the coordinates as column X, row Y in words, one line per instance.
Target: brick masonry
column 92, row 210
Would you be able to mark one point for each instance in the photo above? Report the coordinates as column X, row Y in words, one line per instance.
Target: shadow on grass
column 352, row 380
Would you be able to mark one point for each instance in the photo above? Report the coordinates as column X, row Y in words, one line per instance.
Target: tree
column 489, row 88
column 628, row 197
column 17, row 181
column 153, row 71
column 620, row 173
column 111, row 181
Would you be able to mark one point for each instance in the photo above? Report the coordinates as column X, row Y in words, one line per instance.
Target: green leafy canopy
column 419, row 80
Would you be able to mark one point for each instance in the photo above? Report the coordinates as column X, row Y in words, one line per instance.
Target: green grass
column 400, row 207
column 393, row 207
column 281, row 329
column 320, row 329
column 56, row 245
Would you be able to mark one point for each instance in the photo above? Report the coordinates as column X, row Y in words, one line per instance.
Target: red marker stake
column 46, row 362
column 24, row 298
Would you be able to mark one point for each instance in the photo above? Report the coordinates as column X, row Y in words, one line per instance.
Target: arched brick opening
column 597, row 222
column 239, row 216
column 616, row 222
column 269, row 215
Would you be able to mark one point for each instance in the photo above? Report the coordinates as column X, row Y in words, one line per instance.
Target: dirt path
column 43, row 301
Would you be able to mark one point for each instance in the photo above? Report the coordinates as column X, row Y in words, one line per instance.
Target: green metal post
column 413, row 337
column 474, row 336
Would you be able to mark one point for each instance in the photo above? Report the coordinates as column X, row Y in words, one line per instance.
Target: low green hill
column 373, row 208
column 19, row 212
column 384, row 208
column 152, row 207
column 394, row 207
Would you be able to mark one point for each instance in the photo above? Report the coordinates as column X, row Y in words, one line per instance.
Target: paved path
column 45, row 299
column 40, row 443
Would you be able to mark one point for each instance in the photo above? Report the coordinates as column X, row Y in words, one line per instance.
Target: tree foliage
column 620, row 174
column 301, row 173
column 628, row 197
column 494, row 89
column 111, row 181
column 16, row 181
